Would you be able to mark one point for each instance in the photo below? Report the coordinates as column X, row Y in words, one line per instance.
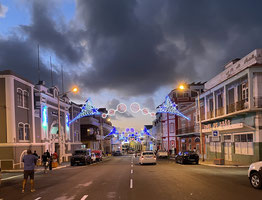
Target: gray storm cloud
column 135, row 47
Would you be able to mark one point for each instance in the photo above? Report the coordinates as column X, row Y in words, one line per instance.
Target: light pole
column 74, row 90
column 182, row 87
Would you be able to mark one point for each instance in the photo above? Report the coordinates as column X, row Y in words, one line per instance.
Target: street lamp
column 183, row 87
column 74, row 90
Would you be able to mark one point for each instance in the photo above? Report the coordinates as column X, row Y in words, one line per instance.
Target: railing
column 231, row 108
column 240, row 105
column 189, row 129
column 210, row 114
column 258, row 102
column 220, row 111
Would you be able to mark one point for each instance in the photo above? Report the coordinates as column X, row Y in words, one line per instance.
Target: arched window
column 189, row 140
column 197, row 139
column 26, row 98
column 19, row 97
column 21, row 131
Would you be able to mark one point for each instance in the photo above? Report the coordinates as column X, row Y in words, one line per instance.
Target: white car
column 162, row 154
column 147, row 157
column 255, row 174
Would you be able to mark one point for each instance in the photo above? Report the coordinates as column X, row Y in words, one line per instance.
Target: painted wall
column 3, row 125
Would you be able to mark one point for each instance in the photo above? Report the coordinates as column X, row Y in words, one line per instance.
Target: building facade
column 29, row 120
column 232, row 111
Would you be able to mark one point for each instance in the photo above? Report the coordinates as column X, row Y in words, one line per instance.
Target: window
column 172, row 125
column 219, row 101
column 189, row 140
column 215, row 146
column 21, row 131
column 26, row 95
column 245, row 92
column 19, row 97
column 186, row 94
column 27, row 132
column 244, row 144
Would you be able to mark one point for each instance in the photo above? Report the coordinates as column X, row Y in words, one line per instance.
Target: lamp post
column 60, row 136
column 183, row 87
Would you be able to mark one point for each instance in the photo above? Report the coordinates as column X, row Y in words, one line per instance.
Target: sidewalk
column 37, row 168
column 211, row 164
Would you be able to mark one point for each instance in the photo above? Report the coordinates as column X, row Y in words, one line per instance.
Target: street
column 120, row 178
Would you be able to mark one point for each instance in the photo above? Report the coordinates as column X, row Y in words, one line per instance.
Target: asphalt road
column 122, row 178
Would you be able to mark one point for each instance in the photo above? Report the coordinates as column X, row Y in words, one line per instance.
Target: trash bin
column 219, row 161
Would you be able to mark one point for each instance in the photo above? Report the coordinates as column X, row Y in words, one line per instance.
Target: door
column 228, row 151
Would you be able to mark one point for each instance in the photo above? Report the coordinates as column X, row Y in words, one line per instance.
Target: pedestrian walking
column 48, row 154
column 29, row 169
column 50, row 162
column 45, row 162
column 35, row 154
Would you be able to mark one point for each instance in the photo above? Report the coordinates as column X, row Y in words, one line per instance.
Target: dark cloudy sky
column 127, row 50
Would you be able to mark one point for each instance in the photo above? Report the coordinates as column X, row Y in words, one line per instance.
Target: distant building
column 232, row 111
column 169, row 122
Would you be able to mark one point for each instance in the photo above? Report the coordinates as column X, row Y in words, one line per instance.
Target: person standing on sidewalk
column 29, row 169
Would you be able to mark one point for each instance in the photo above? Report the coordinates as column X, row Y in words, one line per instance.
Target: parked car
column 147, row 157
column 187, row 157
column 255, row 174
column 93, row 157
column 117, row 153
column 162, row 154
column 98, row 154
column 81, row 156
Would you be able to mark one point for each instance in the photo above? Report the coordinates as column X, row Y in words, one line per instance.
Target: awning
column 239, row 127
column 188, row 134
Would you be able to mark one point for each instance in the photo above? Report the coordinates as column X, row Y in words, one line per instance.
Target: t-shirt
column 29, row 162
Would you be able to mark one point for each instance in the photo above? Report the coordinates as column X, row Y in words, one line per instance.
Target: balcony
column 258, row 102
column 220, row 111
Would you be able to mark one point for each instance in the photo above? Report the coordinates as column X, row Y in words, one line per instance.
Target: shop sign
column 224, row 123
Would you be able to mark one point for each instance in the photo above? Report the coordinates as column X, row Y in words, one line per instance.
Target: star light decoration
column 169, row 107
column 87, row 110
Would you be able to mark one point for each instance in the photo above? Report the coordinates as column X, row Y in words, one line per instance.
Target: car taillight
column 154, row 157
column 142, row 157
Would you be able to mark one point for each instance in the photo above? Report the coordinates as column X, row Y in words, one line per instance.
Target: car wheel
column 256, row 180
column 72, row 164
column 197, row 162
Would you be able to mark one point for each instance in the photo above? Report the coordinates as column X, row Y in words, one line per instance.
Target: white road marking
column 131, row 171
column 38, row 198
column 84, row 185
column 3, row 179
column 84, row 197
column 131, row 165
column 131, row 183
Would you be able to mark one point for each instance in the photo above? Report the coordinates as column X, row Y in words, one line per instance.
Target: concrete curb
column 36, row 169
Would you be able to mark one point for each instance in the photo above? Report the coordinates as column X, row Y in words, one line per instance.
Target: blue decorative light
column 127, row 130
column 67, row 121
column 169, row 107
column 87, row 110
column 44, row 118
column 132, row 130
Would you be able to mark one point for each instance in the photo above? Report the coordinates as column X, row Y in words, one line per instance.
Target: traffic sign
column 215, row 133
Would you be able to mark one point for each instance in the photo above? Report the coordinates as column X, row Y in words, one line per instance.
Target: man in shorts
column 29, row 169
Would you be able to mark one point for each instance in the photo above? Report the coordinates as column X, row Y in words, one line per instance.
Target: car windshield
column 148, row 153
column 80, row 152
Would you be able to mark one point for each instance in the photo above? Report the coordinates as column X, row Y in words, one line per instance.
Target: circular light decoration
column 132, row 130
column 111, row 112
column 135, row 107
column 127, row 130
column 121, row 108
column 104, row 115
column 145, row 111
column 153, row 114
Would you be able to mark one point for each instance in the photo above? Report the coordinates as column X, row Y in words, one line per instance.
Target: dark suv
column 81, row 156
column 187, row 157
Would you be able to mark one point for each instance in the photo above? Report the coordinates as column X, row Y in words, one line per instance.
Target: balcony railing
column 258, row 102
column 231, row 108
column 220, row 111
column 240, row 105
column 210, row 114
column 189, row 129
